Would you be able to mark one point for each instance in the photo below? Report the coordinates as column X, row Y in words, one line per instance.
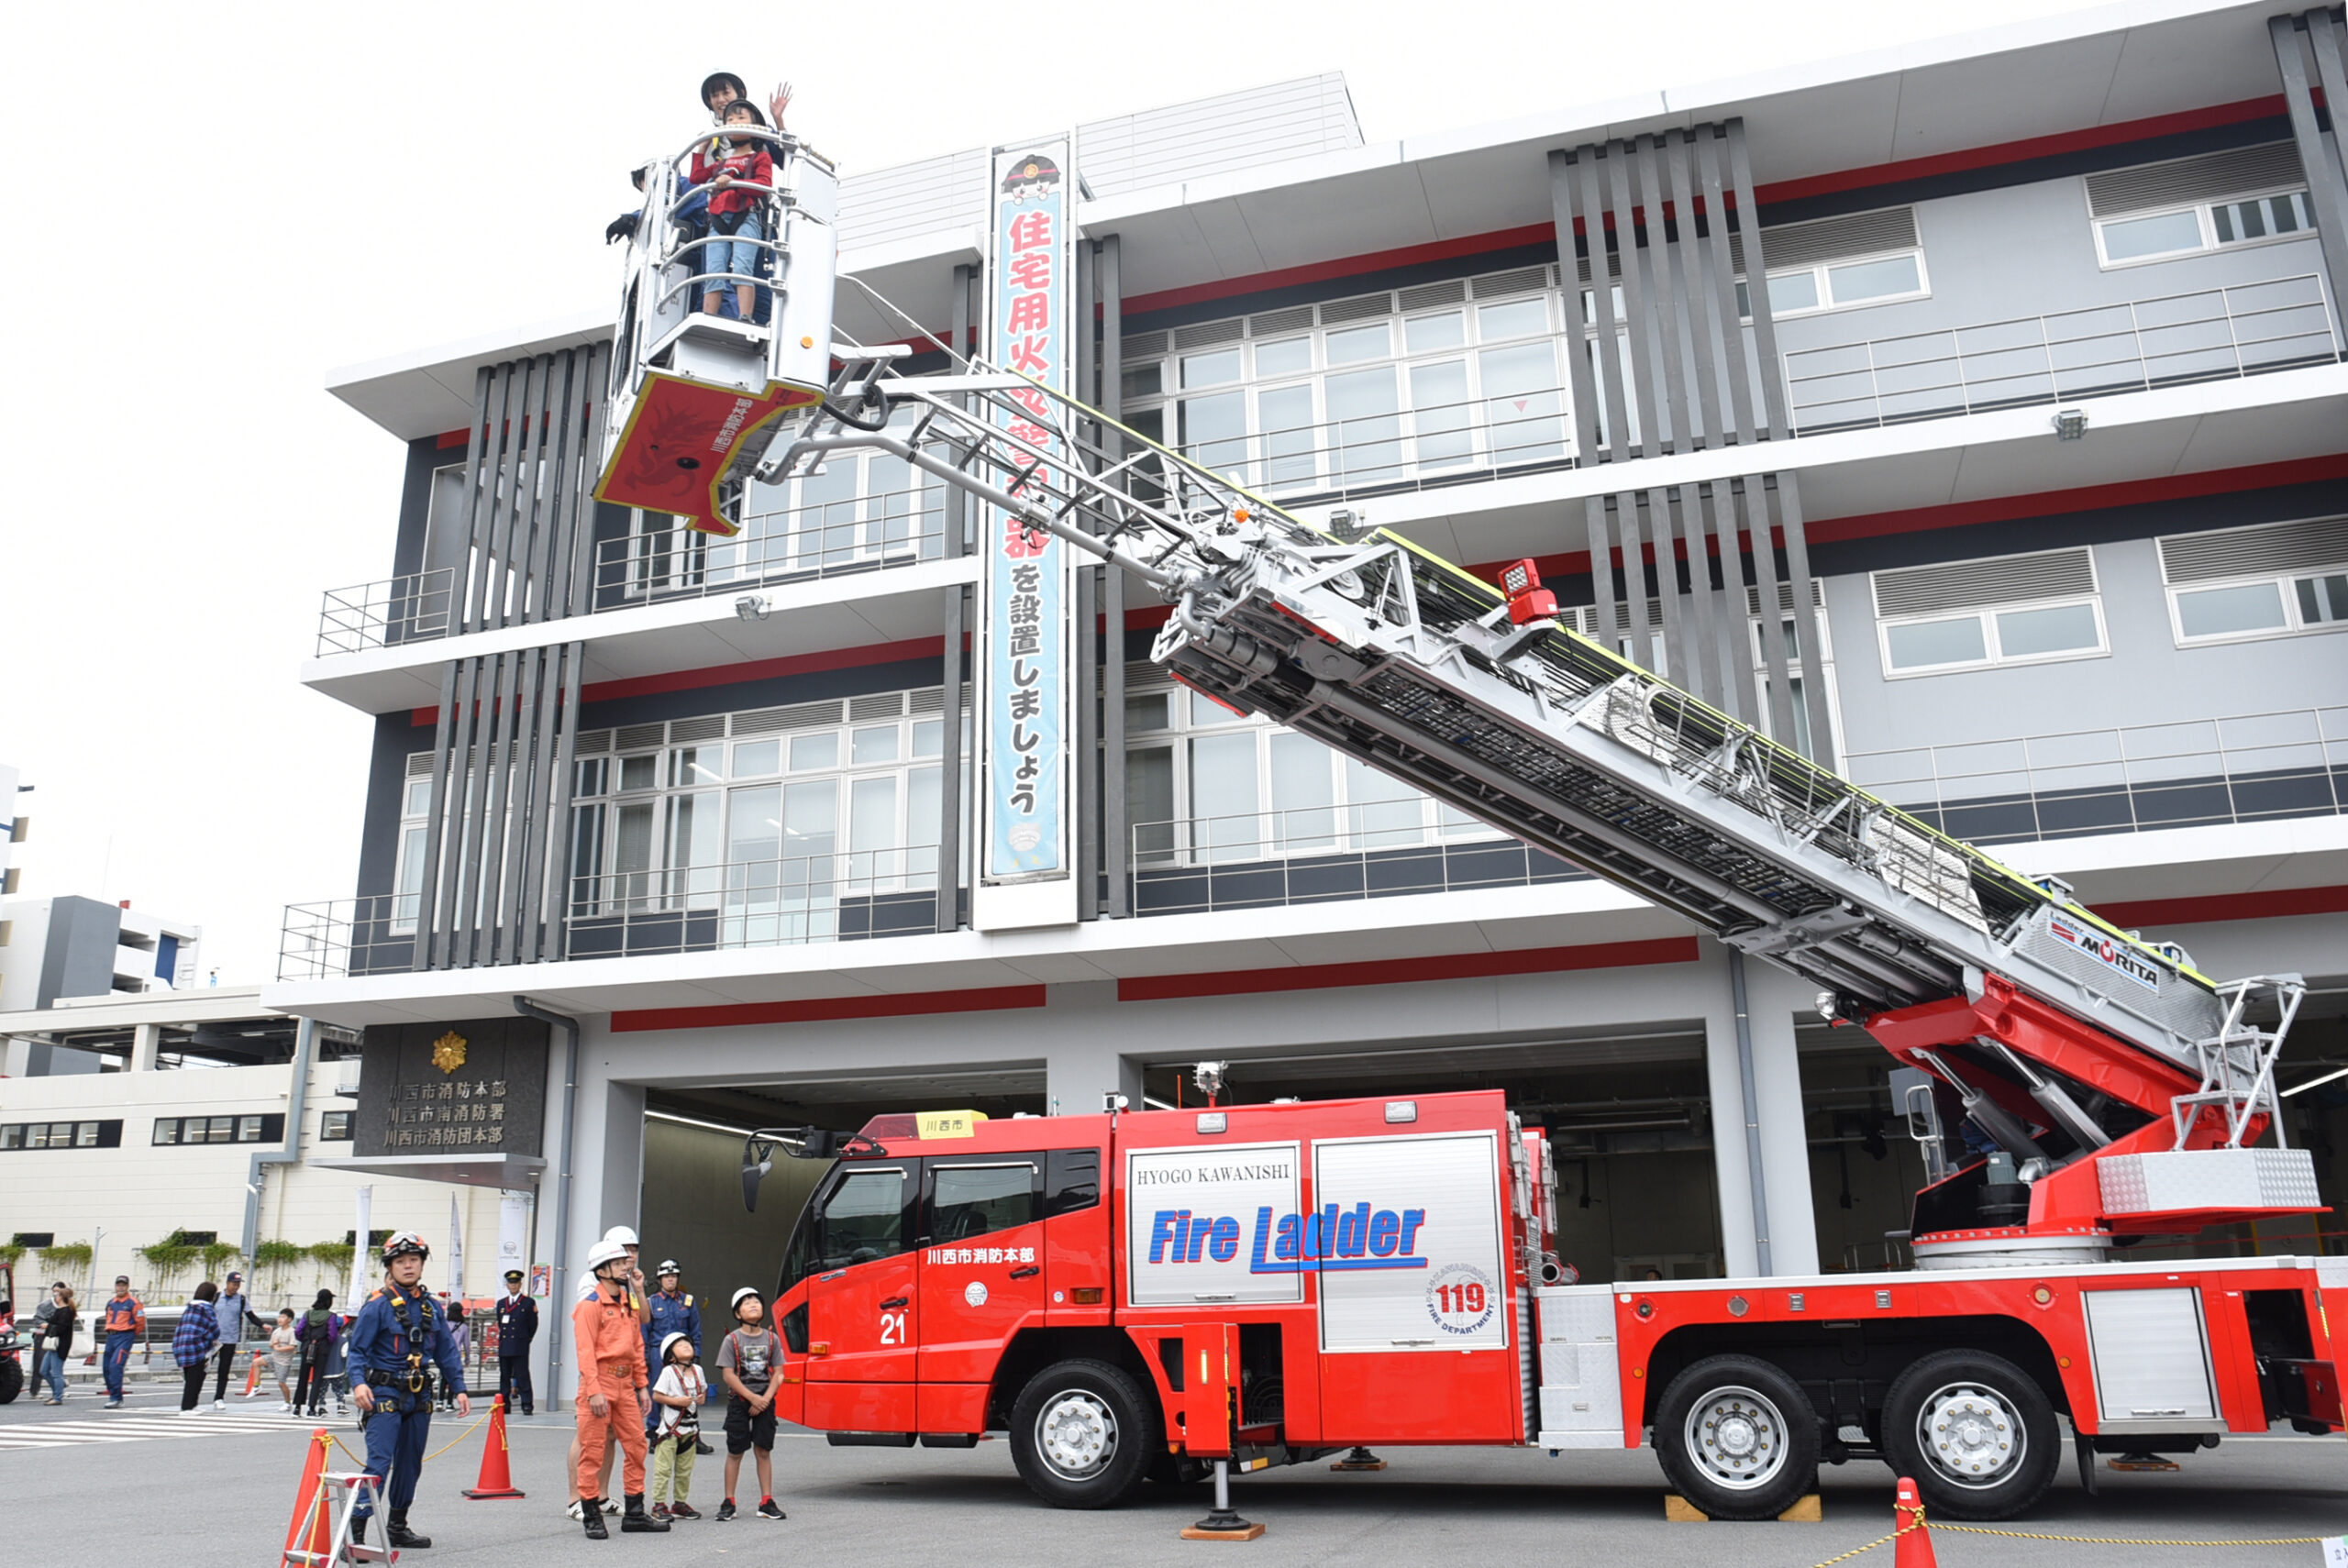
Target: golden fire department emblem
column 448, row 1051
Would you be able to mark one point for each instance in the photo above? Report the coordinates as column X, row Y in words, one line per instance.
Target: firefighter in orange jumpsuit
column 608, row 1343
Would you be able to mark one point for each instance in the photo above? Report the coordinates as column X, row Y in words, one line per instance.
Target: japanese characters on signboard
column 476, row 1088
column 1024, row 662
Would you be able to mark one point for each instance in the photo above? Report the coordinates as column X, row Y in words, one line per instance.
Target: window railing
column 2245, row 767
column 832, row 539
column 847, row 897
column 1323, row 854
column 408, row 609
column 338, row 938
column 2242, row 329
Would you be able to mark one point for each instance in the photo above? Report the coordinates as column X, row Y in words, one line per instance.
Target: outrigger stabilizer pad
column 1224, row 1523
column 1359, row 1459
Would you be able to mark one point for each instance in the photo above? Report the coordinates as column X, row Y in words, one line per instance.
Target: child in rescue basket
column 747, row 1361
column 736, row 215
column 677, row 1396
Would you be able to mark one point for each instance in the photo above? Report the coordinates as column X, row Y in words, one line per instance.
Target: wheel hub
column 1738, row 1438
column 1970, row 1433
column 1075, row 1432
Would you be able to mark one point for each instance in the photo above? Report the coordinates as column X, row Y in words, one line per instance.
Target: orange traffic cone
column 252, row 1378
column 1914, row 1547
column 496, row 1476
column 310, row 1505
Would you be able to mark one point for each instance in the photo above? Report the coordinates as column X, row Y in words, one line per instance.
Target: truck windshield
column 862, row 1217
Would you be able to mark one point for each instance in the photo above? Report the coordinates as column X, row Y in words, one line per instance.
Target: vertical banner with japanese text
column 1025, row 854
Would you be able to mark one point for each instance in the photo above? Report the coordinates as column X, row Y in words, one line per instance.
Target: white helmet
column 603, row 1252
column 670, row 1343
column 621, row 1234
column 746, row 1290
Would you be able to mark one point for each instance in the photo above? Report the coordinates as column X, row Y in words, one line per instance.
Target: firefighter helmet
column 605, row 1252
column 668, row 1265
column 402, row 1244
column 621, row 1234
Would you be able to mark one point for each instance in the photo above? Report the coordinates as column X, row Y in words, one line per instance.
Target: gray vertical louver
column 2318, row 34
column 1655, row 213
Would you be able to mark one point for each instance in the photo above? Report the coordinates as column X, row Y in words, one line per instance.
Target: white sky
column 297, row 189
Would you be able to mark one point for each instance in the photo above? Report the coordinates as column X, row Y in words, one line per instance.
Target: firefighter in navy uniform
column 401, row 1336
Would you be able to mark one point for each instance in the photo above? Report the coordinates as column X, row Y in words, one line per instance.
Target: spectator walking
column 191, row 1344
column 55, row 1341
column 460, row 1335
column 677, row 1396
column 745, row 1362
column 124, row 1322
column 320, row 1326
column 517, row 1325
column 284, row 1356
column 233, row 1309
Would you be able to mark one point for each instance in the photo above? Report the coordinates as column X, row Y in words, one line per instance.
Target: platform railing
column 2216, row 334
column 870, row 533
column 409, row 609
column 2192, row 772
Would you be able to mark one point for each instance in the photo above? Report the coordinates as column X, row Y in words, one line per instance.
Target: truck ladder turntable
column 2127, row 1089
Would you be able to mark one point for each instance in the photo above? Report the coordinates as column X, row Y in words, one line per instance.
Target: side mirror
column 752, row 1174
column 799, row 1143
column 1914, row 1087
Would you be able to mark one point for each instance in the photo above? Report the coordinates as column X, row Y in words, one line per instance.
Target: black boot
column 636, row 1522
column 592, row 1510
column 396, row 1533
column 359, row 1530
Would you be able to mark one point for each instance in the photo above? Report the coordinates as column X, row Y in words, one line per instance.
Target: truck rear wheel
column 1738, row 1438
column 12, row 1378
column 1082, row 1433
column 1975, row 1431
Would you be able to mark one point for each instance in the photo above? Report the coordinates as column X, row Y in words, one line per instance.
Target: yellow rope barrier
column 360, row 1459
column 2076, row 1539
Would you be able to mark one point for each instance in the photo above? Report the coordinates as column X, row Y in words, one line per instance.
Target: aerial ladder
column 2117, row 1091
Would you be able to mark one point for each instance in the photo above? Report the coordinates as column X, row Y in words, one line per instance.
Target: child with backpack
column 736, row 215
column 678, row 1395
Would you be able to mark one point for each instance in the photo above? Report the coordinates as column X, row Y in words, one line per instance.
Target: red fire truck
column 1135, row 1295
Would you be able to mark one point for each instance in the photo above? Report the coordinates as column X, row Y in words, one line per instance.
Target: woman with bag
column 319, row 1328
column 56, row 1339
column 191, row 1344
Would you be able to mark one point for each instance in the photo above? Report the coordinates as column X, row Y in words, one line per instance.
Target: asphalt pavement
column 222, row 1494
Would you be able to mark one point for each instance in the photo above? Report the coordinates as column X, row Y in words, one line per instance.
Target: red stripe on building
column 1407, row 971
column 2005, row 508
column 1344, row 267
column 2279, row 904
column 825, row 1010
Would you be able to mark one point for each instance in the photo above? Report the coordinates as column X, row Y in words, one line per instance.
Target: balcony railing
column 1316, row 855
column 2243, row 329
column 849, row 897
column 871, row 533
column 2248, row 768
column 376, row 614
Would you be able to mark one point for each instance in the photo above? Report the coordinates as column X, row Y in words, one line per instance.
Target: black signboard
column 472, row 1088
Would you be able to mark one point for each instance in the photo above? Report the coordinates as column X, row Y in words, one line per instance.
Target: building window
column 334, row 1127
column 2009, row 610
column 2213, row 201
column 1440, row 377
column 768, row 819
column 1837, row 263
column 1205, row 785
column 2271, row 581
column 269, row 1129
column 61, row 1135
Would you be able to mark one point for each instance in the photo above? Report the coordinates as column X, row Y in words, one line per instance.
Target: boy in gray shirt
column 747, row 1360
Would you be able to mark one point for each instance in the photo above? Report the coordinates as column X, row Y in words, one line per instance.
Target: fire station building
column 1973, row 420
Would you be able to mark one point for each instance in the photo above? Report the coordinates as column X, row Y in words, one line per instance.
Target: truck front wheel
column 1738, row 1438
column 1082, row 1433
column 1975, row 1430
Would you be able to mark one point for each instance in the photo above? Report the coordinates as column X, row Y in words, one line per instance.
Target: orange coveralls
column 609, row 1344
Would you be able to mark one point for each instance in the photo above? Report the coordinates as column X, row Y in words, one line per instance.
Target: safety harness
column 417, row 1375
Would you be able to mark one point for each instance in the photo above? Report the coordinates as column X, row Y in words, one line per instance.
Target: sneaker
column 681, row 1509
column 611, row 1505
column 114, row 1405
column 219, row 1404
column 577, row 1510
column 660, row 1512
column 767, row 1510
column 52, row 1401
column 287, row 1408
column 726, row 1510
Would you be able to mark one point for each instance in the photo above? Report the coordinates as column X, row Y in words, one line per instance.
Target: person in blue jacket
column 396, row 1341
column 673, row 1312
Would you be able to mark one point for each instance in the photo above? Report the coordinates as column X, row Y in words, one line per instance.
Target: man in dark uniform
column 517, row 1325
column 399, row 1337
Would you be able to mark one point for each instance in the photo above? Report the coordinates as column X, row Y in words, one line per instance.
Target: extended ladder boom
column 1405, row 662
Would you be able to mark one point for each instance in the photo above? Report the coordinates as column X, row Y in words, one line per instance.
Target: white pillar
column 1081, row 1062
column 144, row 1039
column 1771, row 999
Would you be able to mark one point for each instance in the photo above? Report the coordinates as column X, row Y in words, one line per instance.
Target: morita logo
column 2105, row 950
